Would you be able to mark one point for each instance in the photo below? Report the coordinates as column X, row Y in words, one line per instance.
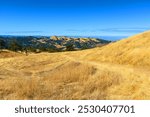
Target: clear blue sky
column 74, row 17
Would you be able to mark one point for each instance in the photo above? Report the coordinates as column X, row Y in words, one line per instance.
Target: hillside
column 50, row 44
column 134, row 51
column 60, row 42
column 119, row 70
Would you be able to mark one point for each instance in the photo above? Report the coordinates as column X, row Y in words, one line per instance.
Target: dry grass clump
column 96, row 87
column 18, row 88
column 133, row 88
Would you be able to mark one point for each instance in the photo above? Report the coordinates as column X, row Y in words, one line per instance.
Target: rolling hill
column 134, row 50
column 119, row 70
column 49, row 44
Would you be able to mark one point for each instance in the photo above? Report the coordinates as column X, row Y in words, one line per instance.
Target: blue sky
column 74, row 17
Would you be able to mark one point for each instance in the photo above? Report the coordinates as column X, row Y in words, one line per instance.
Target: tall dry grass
column 75, row 80
column 71, row 81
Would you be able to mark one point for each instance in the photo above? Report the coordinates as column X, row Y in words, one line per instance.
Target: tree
column 84, row 46
column 15, row 46
column 2, row 44
column 70, row 47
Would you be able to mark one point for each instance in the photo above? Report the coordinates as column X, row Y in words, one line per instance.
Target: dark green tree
column 70, row 47
column 84, row 46
column 15, row 46
column 2, row 44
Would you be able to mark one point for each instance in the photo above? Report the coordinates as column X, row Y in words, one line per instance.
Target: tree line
column 17, row 46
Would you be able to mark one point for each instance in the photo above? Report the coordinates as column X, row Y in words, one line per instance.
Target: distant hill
column 59, row 43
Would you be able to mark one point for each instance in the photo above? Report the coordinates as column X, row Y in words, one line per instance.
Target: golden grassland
column 120, row 70
column 132, row 51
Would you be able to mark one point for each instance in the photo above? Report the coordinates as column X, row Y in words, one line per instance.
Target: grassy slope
column 133, row 51
column 117, row 71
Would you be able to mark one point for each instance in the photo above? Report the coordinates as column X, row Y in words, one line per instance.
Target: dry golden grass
column 71, row 81
column 8, row 54
column 116, row 71
column 132, row 51
column 76, row 80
